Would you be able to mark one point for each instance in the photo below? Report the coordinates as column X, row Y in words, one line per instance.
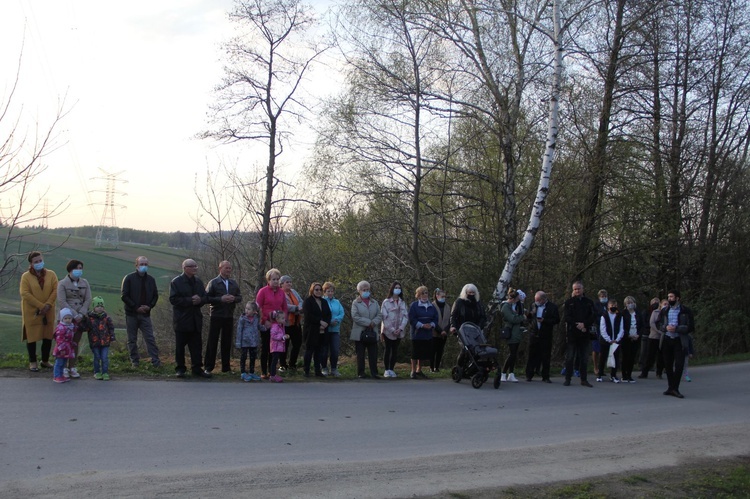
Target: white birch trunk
column 536, row 213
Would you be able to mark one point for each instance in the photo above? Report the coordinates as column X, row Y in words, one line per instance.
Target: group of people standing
column 279, row 322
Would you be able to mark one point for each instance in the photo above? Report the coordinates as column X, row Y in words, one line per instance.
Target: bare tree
column 267, row 63
column 22, row 156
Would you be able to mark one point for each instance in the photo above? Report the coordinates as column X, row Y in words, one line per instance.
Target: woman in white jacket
column 395, row 318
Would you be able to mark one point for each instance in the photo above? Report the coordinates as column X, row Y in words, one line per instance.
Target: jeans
column 391, row 352
column 101, row 359
column 248, row 353
column 219, row 328
column 59, row 366
column 674, row 361
column 331, row 349
column 142, row 322
column 577, row 351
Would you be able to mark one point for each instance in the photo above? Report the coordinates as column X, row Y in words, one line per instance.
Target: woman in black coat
column 317, row 316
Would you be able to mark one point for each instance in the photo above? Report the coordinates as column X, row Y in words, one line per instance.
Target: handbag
column 506, row 333
column 368, row 335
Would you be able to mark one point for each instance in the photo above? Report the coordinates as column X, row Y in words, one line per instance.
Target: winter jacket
column 337, row 315
column 395, row 317
column 311, row 332
column 33, row 299
column 102, row 331
column 186, row 317
column 579, row 309
column 421, row 313
column 64, row 344
column 363, row 315
column 75, row 295
column 468, row 311
column 278, row 344
column 512, row 318
column 215, row 290
column 130, row 292
column 248, row 335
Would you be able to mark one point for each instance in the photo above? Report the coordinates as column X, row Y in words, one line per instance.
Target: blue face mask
column 38, row 266
column 365, row 294
column 77, row 273
column 441, row 300
column 397, row 291
column 143, row 269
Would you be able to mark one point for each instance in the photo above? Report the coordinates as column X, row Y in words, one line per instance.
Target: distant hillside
column 184, row 240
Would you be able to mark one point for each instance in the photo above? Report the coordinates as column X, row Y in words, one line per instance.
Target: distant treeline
column 180, row 240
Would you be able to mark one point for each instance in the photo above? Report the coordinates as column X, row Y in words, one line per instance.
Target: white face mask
column 396, row 291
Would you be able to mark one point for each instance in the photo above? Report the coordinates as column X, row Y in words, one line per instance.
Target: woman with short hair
column 440, row 333
column 365, row 314
column 270, row 298
column 333, row 336
column 73, row 292
column 423, row 318
column 38, row 290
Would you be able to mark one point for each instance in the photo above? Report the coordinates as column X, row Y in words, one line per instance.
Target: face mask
column 613, row 309
column 77, row 273
column 365, row 294
column 143, row 269
column 631, row 306
column 441, row 300
column 672, row 303
column 538, row 304
column 397, row 291
column 38, row 266
column 472, row 297
column 603, row 301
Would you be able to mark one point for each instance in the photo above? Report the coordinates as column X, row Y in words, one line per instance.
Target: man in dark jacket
column 543, row 317
column 187, row 295
column 223, row 294
column 579, row 322
column 139, row 293
column 676, row 323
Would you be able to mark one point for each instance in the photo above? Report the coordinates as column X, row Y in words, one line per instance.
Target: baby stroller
column 477, row 358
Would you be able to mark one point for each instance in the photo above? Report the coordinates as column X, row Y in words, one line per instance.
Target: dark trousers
column 540, row 353
column 194, row 343
column 390, row 354
column 46, row 349
column 372, row 356
column 577, row 349
column 275, row 356
column 654, row 355
column 674, row 361
column 604, row 355
column 265, row 351
column 293, row 346
column 313, row 357
column 248, row 353
column 510, row 362
column 220, row 328
column 629, row 350
column 438, row 347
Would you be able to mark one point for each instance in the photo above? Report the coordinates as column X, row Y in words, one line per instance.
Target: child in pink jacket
column 278, row 342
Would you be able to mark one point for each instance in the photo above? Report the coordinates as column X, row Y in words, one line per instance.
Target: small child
column 64, row 345
column 278, row 342
column 248, row 339
column 101, row 334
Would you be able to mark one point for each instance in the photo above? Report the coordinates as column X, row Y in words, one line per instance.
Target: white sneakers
column 512, row 378
column 74, row 373
column 390, row 374
column 503, row 378
column 324, row 371
column 335, row 373
column 66, row 372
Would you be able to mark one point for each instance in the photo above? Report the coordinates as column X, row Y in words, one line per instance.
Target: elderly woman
column 293, row 326
column 513, row 317
column 440, row 333
column 38, row 291
column 73, row 292
column 423, row 318
column 317, row 317
column 395, row 319
column 365, row 315
column 270, row 298
column 333, row 336
column 467, row 308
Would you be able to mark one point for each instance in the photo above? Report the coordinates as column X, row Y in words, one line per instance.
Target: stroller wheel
column 485, row 377
column 457, row 373
column 477, row 380
column 496, row 383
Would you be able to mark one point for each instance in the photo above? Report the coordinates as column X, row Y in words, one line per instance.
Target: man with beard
column 676, row 323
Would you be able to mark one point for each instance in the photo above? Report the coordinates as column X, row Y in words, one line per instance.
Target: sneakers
column 335, row 373
column 245, row 377
column 60, row 379
column 614, row 379
column 599, row 379
column 688, row 378
column 504, row 377
column 105, row 377
column 74, row 373
column 562, row 373
column 512, row 378
column 277, row 379
column 387, row 373
column 577, row 373
column 66, row 372
column 98, row 376
column 324, row 371
column 281, row 369
column 254, row 377
column 630, row 380
column 413, row 375
column 266, row 376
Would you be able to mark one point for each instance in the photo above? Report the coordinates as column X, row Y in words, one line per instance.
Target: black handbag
column 368, row 335
column 506, row 333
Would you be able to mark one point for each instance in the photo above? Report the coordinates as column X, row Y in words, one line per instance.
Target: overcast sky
column 137, row 78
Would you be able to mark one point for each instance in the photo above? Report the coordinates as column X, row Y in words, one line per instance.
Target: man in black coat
column 543, row 317
column 676, row 323
column 223, row 294
column 139, row 293
column 187, row 295
column 579, row 321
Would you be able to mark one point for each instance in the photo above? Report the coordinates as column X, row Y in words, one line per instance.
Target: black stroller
column 477, row 358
